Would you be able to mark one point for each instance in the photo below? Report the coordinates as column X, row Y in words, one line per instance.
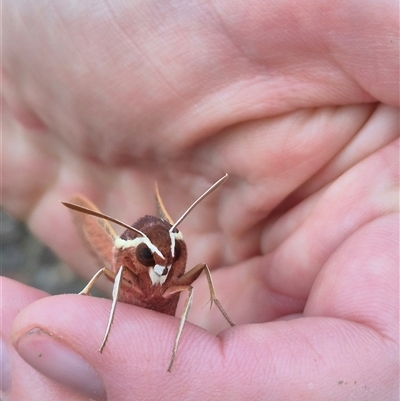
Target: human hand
column 299, row 104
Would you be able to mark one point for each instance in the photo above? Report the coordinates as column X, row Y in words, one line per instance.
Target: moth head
column 155, row 253
column 152, row 246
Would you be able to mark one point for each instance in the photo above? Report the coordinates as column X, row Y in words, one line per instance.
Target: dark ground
column 25, row 259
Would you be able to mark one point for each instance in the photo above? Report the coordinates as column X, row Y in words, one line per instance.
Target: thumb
column 60, row 337
column 18, row 380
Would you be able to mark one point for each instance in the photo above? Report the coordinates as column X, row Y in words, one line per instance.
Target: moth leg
column 192, row 275
column 115, row 293
column 213, row 297
column 90, row 284
column 186, row 309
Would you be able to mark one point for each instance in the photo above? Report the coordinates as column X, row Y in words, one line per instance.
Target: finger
column 19, row 381
column 321, row 223
column 246, row 361
column 360, row 282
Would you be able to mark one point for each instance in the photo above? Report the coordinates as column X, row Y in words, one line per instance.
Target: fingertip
column 53, row 358
column 140, row 343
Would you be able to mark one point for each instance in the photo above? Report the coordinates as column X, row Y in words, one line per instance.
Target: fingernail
column 51, row 357
column 5, row 376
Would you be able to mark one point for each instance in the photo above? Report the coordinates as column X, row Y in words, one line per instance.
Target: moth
column 146, row 263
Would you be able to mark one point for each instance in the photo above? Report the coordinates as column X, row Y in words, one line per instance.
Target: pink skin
column 298, row 102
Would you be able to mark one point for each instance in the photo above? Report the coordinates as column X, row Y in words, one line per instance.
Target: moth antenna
column 209, row 190
column 83, row 209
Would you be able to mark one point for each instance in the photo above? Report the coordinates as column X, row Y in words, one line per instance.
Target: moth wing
column 95, row 231
column 161, row 211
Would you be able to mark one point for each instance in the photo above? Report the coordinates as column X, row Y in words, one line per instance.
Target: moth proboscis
column 146, row 263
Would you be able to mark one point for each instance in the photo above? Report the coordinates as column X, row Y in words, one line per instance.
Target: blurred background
column 25, row 259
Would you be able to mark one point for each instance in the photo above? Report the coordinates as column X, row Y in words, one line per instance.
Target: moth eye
column 177, row 250
column 144, row 255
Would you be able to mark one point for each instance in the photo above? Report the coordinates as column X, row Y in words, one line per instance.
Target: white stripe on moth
column 178, row 235
column 174, row 236
column 123, row 244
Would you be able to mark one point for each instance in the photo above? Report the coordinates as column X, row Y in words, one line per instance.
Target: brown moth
column 146, row 263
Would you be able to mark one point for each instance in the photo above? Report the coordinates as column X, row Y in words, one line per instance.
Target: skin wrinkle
column 347, row 157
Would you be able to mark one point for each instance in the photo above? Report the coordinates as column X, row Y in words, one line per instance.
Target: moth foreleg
column 213, row 297
column 115, row 293
column 90, row 284
column 192, row 275
column 186, row 309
